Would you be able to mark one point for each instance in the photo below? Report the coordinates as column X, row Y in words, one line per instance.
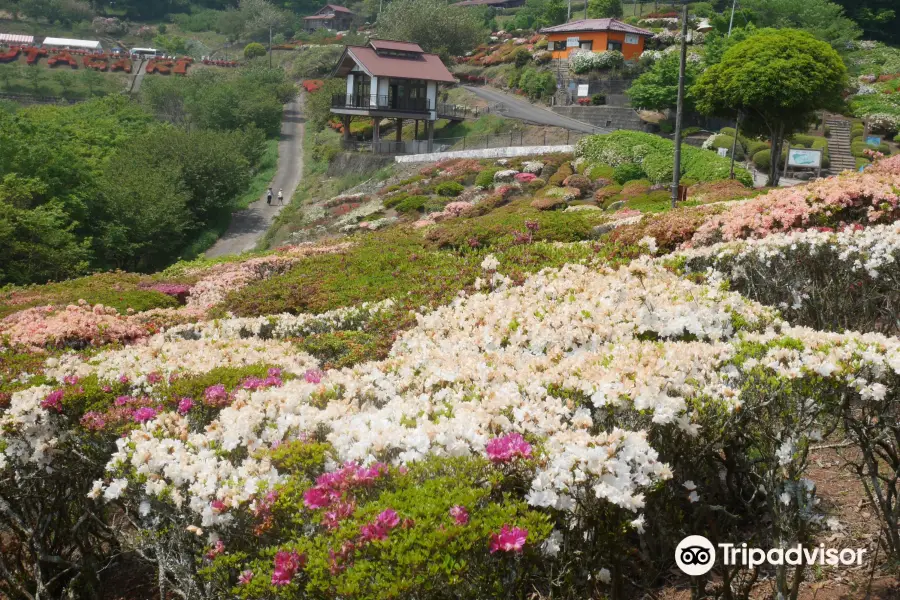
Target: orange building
column 596, row 35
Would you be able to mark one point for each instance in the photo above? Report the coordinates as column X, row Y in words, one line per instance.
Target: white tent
column 67, row 43
column 15, row 38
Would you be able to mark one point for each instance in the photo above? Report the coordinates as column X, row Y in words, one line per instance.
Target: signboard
column 723, row 152
column 572, row 42
column 631, row 38
column 873, row 140
column 800, row 157
column 582, row 90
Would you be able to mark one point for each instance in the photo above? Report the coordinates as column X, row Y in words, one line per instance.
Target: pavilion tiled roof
column 395, row 45
column 596, row 25
column 415, row 65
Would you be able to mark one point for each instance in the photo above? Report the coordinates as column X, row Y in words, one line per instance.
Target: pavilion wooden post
column 416, row 133
column 399, row 130
column 376, row 133
column 345, row 121
column 429, row 125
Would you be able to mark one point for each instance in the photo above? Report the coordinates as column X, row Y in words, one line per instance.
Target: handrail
column 381, row 103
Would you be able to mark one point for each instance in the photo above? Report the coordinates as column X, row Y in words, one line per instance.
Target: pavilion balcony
column 381, row 104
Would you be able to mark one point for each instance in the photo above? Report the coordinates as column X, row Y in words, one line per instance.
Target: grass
column 116, row 289
column 265, row 173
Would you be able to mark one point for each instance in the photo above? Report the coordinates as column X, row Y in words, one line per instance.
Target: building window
column 614, row 46
column 587, row 45
column 631, row 38
column 550, row 46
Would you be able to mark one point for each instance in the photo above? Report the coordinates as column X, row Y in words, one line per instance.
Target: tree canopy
column 433, row 24
column 777, row 79
column 822, row 18
column 657, row 89
column 599, row 9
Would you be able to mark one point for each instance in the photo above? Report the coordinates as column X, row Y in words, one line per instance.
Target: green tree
column 37, row 240
column 433, row 24
column 318, row 104
column 600, row 9
column 555, row 13
column 777, row 79
column 35, row 76
column 254, row 50
column 822, row 18
column 657, row 89
column 7, row 72
column 66, row 81
column 879, row 19
column 91, row 80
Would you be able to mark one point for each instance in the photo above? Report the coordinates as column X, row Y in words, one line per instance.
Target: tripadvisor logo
column 696, row 555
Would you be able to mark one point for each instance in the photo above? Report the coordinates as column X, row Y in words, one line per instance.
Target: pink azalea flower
column 70, row 380
column 123, row 379
column 460, row 515
column 185, row 405
column 218, row 506
column 106, row 389
column 274, row 372
column 314, row 376
column 123, row 400
column 287, row 563
column 53, row 401
column 508, row 540
column 215, row 395
column 315, row 498
column 508, row 447
column 93, row 421
column 246, row 577
column 144, row 414
column 388, row 519
column 154, row 377
column 217, row 549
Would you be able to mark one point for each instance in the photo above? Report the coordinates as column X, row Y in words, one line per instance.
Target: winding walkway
column 516, row 108
column 249, row 225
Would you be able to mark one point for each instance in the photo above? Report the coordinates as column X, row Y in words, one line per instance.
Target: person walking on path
column 280, row 196
column 269, row 196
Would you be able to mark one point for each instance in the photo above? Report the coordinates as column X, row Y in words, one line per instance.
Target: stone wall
column 612, row 117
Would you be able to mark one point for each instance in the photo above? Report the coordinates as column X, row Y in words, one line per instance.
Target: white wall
column 432, row 99
column 350, row 84
column 383, row 85
column 485, row 153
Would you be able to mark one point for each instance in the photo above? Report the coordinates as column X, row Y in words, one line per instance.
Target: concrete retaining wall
column 613, row 117
column 487, row 153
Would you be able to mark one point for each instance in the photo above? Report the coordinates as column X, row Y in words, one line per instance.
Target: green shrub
column 857, row 128
column 635, row 188
column 598, row 171
column 659, row 167
column 666, row 127
column 449, row 188
column 806, row 141
column 254, row 50
column 688, row 131
column 598, row 100
column 827, row 131
column 897, row 139
column 754, row 147
column 703, row 165
column 564, row 171
column 763, row 159
column 862, row 162
column 725, row 141
column 580, row 182
column 412, row 204
column 485, row 178
column 628, row 172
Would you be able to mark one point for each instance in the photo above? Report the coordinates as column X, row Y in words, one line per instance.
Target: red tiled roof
column 318, row 17
column 337, row 8
column 421, row 66
column 596, row 25
column 395, row 45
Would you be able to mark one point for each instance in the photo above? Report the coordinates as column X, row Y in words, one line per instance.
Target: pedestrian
column 269, row 196
column 280, row 196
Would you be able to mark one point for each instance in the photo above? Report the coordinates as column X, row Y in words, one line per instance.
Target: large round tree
column 777, row 79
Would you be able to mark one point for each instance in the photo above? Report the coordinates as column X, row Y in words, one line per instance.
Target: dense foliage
column 437, row 27
column 777, row 79
column 103, row 185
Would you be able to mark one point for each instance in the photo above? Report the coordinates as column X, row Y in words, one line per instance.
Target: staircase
column 560, row 66
column 839, row 144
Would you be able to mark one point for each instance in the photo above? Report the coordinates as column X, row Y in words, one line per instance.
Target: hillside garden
column 531, row 369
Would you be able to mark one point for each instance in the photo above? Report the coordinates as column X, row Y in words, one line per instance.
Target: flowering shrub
column 76, row 326
column 863, row 198
column 582, row 61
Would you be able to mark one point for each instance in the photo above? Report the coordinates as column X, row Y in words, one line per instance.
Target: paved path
column 140, row 71
column 249, row 225
column 516, row 108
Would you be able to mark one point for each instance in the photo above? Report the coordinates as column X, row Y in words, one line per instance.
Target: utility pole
column 731, row 23
column 737, row 132
column 270, row 45
column 569, row 13
column 679, row 114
